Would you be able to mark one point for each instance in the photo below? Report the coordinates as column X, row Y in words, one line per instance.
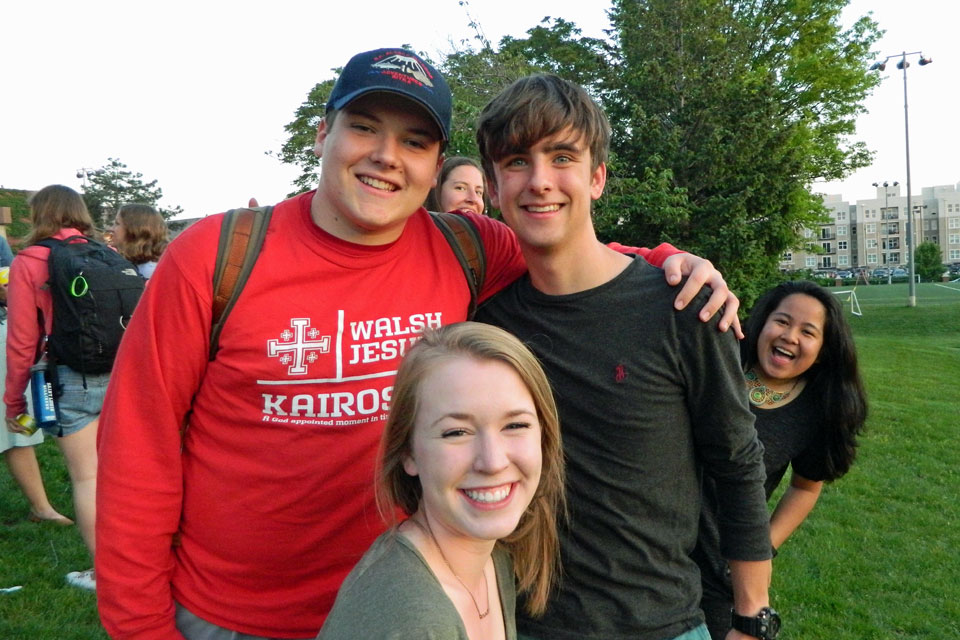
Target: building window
column 871, row 258
column 826, row 246
column 871, row 243
column 807, row 233
column 954, row 238
column 788, row 257
column 842, row 231
column 843, row 261
column 870, row 227
column 893, row 258
column 954, row 223
column 955, row 254
column 841, row 245
column 811, row 262
column 826, row 262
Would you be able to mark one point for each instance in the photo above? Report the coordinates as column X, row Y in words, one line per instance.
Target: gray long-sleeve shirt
column 646, row 395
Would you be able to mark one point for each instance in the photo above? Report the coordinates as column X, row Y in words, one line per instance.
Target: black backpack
column 95, row 291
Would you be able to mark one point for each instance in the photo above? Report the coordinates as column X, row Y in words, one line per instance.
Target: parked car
column 899, row 273
column 844, row 274
column 880, row 272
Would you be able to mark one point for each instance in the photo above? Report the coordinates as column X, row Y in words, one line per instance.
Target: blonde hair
column 57, row 207
column 534, row 545
column 144, row 233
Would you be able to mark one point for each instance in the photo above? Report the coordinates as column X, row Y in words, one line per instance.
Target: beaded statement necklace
column 761, row 394
column 447, row 562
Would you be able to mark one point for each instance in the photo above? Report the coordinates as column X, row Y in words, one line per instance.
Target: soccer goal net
column 849, row 295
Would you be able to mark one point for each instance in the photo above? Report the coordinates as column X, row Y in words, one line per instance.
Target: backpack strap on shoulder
column 467, row 245
column 241, row 238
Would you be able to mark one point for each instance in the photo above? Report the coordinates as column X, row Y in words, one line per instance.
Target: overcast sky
column 194, row 93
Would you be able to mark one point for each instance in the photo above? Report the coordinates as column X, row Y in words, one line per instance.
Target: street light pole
column 84, row 173
column 903, row 64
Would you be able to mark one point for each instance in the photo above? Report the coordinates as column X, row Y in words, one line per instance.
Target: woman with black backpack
column 58, row 212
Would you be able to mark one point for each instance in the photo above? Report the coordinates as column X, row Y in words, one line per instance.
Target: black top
column 792, row 435
column 644, row 394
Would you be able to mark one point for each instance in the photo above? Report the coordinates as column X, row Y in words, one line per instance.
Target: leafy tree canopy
column 16, row 200
column 723, row 112
column 113, row 185
column 927, row 261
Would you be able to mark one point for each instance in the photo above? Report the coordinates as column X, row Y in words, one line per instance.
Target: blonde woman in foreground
column 471, row 452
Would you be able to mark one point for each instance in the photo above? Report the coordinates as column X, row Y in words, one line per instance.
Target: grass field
column 875, row 561
column 876, row 558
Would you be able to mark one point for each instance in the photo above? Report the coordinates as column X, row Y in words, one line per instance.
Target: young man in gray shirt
column 649, row 397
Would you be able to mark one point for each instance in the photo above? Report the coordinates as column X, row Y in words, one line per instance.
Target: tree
column 739, row 106
column 928, row 262
column 20, row 225
column 298, row 149
column 723, row 112
column 113, row 185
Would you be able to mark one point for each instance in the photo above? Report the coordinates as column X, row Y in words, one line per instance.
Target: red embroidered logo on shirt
column 620, row 373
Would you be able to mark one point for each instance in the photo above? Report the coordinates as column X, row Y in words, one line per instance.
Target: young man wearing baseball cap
column 235, row 494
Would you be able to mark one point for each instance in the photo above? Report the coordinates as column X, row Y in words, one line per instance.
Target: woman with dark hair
column 801, row 373
column 140, row 235
column 57, row 212
column 460, row 187
column 471, row 453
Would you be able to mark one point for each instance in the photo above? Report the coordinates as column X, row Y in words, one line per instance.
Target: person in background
column 140, row 235
column 471, row 452
column 805, row 390
column 17, row 448
column 57, row 212
column 460, row 187
column 6, row 253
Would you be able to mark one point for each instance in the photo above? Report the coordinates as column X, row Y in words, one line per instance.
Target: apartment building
column 873, row 233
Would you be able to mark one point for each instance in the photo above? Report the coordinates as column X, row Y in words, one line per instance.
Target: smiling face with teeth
column 546, row 191
column 475, row 447
column 791, row 339
column 380, row 158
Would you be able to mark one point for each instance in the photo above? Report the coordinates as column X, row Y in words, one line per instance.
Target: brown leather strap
column 467, row 246
column 240, row 239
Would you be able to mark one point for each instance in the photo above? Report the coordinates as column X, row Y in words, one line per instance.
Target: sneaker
column 83, row 579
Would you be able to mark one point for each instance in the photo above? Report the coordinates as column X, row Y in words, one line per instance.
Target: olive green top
column 392, row 593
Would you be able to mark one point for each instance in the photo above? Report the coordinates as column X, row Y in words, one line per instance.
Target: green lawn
column 875, row 560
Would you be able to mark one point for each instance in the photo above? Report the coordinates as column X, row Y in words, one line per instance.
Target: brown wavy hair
column 533, row 545
column 57, row 207
column 537, row 107
column 144, row 235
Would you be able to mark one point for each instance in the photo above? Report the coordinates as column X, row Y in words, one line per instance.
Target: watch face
column 772, row 623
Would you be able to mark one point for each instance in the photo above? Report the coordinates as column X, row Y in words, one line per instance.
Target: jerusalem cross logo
column 299, row 347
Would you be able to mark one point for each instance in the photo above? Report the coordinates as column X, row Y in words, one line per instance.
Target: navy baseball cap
column 395, row 71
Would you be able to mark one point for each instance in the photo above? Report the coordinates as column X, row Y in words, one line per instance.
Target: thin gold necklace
column 483, row 574
column 761, row 394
